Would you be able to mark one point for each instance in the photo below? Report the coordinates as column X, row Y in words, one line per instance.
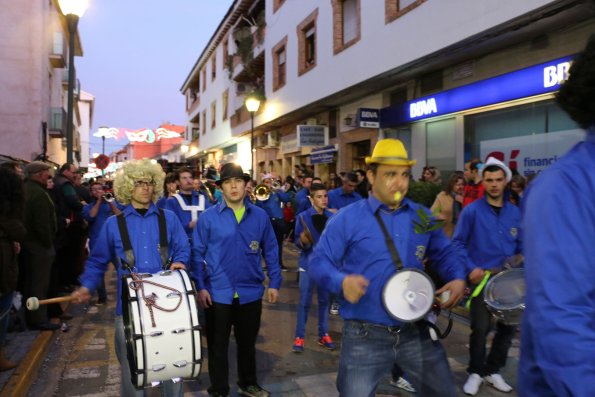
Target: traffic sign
column 101, row 161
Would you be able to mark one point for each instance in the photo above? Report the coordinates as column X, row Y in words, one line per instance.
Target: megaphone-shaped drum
column 408, row 295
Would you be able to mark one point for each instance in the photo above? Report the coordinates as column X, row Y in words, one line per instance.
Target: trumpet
column 108, row 197
column 261, row 192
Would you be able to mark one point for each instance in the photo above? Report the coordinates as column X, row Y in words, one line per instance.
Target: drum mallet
column 33, row 303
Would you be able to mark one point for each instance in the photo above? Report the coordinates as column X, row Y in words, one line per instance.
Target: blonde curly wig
column 134, row 170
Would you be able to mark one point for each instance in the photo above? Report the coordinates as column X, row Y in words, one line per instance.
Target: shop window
column 213, row 114
column 346, row 24
column 307, row 43
column 441, row 146
column 394, row 9
column 280, row 64
column 224, row 104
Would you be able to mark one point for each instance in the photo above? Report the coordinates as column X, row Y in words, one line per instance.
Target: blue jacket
column 227, row 255
column 558, row 329
column 299, row 228
column 338, row 199
column 272, row 205
column 144, row 237
column 487, row 238
column 302, row 202
column 96, row 222
column 185, row 217
column 353, row 243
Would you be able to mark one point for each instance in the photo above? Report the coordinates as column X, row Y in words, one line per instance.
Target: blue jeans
column 306, row 292
column 368, row 352
column 166, row 389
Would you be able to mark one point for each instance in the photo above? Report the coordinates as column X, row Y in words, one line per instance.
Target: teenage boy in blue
column 137, row 185
column 187, row 203
column 489, row 231
column 352, row 258
column 227, row 249
column 306, row 238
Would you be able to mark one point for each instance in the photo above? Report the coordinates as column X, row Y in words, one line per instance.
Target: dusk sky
column 137, row 54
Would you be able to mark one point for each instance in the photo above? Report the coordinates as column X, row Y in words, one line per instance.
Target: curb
column 25, row 374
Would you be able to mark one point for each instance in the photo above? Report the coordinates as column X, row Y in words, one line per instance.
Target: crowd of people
column 355, row 232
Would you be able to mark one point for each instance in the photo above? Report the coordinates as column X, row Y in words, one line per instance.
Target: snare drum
column 504, row 296
column 408, row 295
column 172, row 348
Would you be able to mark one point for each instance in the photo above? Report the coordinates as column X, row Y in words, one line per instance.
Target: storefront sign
column 323, row 155
column 289, row 143
column 368, row 118
column 531, row 154
column 534, row 80
column 311, row 135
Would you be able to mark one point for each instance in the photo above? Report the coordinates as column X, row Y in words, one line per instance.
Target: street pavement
column 82, row 361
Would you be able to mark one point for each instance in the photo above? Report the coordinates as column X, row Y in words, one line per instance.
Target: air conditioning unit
column 273, row 139
column 261, row 141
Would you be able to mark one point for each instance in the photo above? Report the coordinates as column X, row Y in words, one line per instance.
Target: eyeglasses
column 144, row 184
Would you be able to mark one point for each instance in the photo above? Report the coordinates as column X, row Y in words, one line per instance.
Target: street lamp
column 73, row 10
column 252, row 104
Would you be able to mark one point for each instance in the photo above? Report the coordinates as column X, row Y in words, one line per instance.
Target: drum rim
column 383, row 294
column 493, row 305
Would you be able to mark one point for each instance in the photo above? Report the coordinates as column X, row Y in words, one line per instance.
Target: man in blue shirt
column 187, row 203
column 274, row 209
column 489, row 230
column 137, row 185
column 301, row 200
column 558, row 332
column 352, row 258
column 308, row 228
column 227, row 249
column 345, row 195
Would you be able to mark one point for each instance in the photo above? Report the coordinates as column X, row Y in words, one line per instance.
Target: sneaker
column 327, row 342
column 253, row 391
column 334, row 310
column 498, row 383
column 298, row 345
column 472, row 385
column 284, row 268
column 403, row 383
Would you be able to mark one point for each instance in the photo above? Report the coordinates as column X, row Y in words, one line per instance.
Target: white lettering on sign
column 369, row 115
column 554, row 75
column 423, row 108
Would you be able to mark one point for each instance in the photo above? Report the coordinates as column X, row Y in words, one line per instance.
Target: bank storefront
column 512, row 116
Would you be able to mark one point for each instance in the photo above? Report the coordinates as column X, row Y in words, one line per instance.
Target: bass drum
column 504, row 296
column 172, row 348
column 408, row 295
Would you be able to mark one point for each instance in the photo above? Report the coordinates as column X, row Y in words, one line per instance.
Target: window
column 393, row 9
column 307, row 43
column 213, row 114
column 204, row 78
column 224, row 104
column 213, row 66
column 277, row 4
column 346, row 24
column 280, row 64
column 225, row 47
column 204, row 121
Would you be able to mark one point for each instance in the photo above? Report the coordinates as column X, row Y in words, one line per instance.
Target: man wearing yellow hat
column 353, row 257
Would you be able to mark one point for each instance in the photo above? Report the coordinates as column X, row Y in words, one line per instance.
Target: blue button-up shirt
column 353, row 243
column 306, row 251
column 488, row 238
column 227, row 255
column 185, row 217
column 144, row 238
column 337, row 198
column 272, row 205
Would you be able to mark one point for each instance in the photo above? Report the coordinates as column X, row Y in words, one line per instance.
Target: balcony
column 57, row 123
column 58, row 53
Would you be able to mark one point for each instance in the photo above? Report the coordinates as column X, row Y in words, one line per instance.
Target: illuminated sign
column 368, row 118
column 534, row 80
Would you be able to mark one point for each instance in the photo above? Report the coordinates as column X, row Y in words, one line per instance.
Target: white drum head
column 408, row 295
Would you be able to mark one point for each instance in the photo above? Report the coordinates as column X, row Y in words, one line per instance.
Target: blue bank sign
column 368, row 118
column 534, row 80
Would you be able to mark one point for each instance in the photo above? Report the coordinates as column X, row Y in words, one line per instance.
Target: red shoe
column 298, row 345
column 327, row 342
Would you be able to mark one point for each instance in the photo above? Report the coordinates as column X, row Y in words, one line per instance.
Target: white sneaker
column 472, row 385
column 498, row 383
column 402, row 383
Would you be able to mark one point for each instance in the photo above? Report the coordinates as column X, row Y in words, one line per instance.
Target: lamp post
column 252, row 104
column 73, row 10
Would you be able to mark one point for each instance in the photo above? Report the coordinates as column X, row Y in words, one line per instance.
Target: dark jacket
column 11, row 230
column 40, row 215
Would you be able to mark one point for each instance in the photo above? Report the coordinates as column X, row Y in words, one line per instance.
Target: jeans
column 245, row 320
column 481, row 320
column 306, row 292
column 369, row 351
column 166, row 389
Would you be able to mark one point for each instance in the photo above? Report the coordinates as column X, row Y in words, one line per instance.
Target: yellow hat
column 390, row 152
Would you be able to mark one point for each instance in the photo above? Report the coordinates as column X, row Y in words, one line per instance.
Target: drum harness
column 396, row 259
column 138, row 281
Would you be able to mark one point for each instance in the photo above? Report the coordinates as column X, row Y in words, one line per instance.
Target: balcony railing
column 57, row 123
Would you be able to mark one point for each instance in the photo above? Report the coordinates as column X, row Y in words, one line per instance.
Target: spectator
column 474, row 188
column 449, row 203
column 431, row 174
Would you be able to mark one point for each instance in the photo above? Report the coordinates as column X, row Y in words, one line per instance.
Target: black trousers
column 481, row 320
column 245, row 320
column 279, row 227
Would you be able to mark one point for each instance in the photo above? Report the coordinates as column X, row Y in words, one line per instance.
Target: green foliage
column 427, row 223
column 423, row 193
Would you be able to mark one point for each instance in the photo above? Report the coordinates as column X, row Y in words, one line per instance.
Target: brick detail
column 393, row 10
column 339, row 43
column 302, row 28
column 279, row 76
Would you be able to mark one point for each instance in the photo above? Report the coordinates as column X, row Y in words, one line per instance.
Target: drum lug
column 156, row 333
column 180, row 364
column 178, row 331
column 174, row 294
column 158, row 367
column 165, row 273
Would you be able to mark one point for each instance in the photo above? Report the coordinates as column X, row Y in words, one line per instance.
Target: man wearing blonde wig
column 137, row 185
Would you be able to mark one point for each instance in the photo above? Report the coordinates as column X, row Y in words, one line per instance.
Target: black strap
column 129, row 252
column 389, row 243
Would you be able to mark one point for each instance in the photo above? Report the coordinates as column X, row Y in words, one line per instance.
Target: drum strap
column 129, row 252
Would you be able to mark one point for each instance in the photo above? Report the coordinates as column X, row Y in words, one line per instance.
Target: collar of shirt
column 375, row 204
column 223, row 205
column 130, row 210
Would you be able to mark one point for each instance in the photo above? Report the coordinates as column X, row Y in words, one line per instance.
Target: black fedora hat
column 231, row 170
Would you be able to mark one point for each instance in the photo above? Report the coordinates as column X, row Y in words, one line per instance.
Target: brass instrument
column 206, row 190
column 108, row 197
column 261, row 192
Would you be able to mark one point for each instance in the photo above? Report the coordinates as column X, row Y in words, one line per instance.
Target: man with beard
column 489, row 230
